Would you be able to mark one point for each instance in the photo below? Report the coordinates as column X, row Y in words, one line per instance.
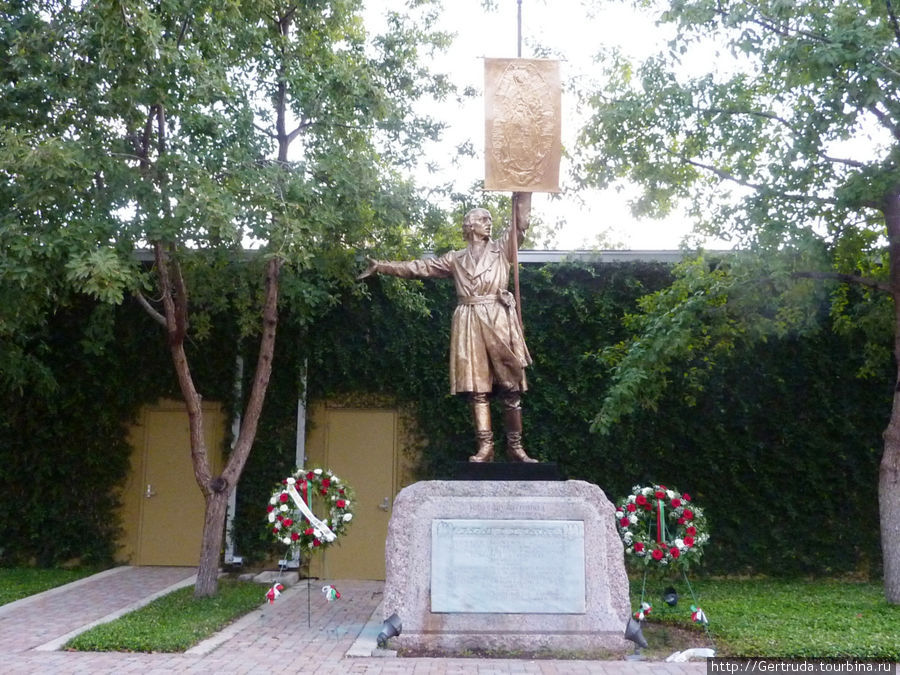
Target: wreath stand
column 696, row 604
column 282, row 566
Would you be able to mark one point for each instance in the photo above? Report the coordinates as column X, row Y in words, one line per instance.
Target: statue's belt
column 503, row 297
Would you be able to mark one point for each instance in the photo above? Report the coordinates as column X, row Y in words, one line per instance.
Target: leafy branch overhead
column 790, row 149
column 767, row 138
column 192, row 130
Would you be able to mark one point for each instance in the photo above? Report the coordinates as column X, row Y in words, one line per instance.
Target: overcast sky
column 574, row 35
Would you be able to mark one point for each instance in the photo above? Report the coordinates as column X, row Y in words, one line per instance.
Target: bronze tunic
column 487, row 348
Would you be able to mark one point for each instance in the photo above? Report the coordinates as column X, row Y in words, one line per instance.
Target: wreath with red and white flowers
column 661, row 527
column 293, row 508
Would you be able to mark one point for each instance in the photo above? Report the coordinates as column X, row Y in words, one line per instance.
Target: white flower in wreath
column 286, row 540
column 633, row 519
column 679, row 543
column 271, row 516
column 291, row 480
column 318, row 472
column 348, row 517
column 631, row 499
column 620, row 514
column 647, row 491
column 628, row 537
column 670, row 493
column 283, row 507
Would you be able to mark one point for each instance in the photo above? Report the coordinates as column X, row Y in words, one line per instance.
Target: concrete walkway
column 299, row 633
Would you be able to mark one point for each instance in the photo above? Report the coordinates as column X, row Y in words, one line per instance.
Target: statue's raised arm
column 487, row 349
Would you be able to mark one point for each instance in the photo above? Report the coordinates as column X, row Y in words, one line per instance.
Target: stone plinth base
column 509, row 566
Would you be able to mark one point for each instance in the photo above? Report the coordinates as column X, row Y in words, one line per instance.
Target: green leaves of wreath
column 661, row 527
column 328, row 501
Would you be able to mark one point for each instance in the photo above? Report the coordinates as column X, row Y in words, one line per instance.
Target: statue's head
column 477, row 223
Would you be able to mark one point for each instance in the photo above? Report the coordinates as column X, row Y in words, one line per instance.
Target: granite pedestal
column 506, row 566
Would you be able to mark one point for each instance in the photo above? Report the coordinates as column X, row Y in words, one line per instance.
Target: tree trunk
column 889, row 471
column 217, row 490
column 213, row 532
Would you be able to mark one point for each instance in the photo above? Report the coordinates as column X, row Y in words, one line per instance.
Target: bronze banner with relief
column 522, row 145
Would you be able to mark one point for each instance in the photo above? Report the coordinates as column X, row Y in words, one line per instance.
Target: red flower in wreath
column 657, row 554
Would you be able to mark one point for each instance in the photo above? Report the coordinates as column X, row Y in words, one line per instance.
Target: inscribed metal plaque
column 508, row 566
column 522, row 145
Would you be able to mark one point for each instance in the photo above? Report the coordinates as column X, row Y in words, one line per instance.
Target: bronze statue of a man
column 487, row 349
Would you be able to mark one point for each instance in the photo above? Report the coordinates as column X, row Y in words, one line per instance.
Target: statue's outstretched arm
column 413, row 269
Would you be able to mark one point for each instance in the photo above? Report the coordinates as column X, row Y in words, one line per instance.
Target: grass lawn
column 20, row 582
column 779, row 618
column 174, row 622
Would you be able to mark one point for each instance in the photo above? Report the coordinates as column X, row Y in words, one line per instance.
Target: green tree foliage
column 193, row 129
column 790, row 148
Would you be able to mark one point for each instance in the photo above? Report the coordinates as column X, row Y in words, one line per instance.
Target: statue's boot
column 512, row 422
column 484, row 437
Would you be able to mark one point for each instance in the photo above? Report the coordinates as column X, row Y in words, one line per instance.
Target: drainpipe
column 301, row 418
column 299, row 446
column 230, row 557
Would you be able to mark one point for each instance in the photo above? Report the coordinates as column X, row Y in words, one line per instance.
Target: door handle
column 150, row 491
column 384, row 505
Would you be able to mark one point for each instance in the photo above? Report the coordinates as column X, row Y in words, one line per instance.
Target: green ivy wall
column 782, row 449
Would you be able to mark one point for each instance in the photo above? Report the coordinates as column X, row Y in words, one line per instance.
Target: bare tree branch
column 161, row 128
column 885, row 121
column 759, row 187
column 893, row 17
column 785, row 123
column 151, row 310
column 846, row 278
column 303, row 126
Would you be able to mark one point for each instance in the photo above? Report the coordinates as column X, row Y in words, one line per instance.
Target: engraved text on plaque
column 508, row 566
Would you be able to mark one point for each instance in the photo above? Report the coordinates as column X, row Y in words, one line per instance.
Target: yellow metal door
column 360, row 450
column 172, row 506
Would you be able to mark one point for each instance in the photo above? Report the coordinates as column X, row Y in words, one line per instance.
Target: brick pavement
column 283, row 637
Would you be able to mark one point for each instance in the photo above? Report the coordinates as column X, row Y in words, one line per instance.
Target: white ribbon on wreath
column 321, row 529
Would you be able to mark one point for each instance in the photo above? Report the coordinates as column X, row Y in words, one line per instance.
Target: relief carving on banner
column 522, row 125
